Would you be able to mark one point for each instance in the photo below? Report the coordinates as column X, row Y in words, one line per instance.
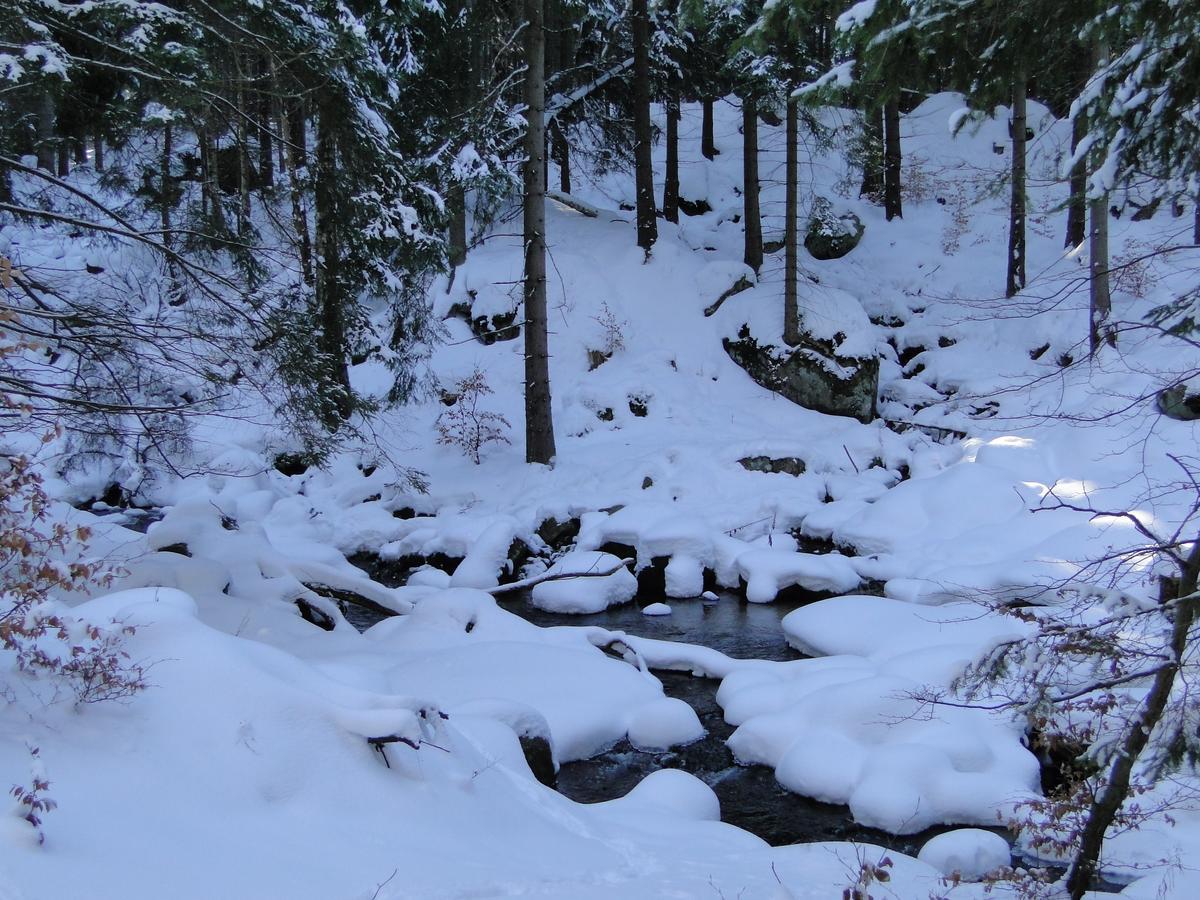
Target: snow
column 656, row 609
column 251, row 742
column 589, row 594
column 970, row 852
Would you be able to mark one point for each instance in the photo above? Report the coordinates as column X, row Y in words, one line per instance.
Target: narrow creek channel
column 750, row 796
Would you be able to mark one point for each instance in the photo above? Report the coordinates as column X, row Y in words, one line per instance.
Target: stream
column 750, row 796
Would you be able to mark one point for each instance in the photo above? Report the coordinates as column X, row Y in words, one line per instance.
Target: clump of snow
column 656, row 609
column 590, row 593
column 676, row 792
column 970, row 852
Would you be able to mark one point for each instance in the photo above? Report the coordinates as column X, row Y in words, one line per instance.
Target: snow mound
column 590, row 594
column 769, row 571
column 677, row 792
column 656, row 609
column 970, row 852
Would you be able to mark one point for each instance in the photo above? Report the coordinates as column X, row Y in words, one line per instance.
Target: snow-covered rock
column 970, row 852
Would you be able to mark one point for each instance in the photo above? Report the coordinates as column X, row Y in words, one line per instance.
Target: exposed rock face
column 831, row 235
column 785, row 465
column 488, row 329
column 810, row 376
column 1179, row 403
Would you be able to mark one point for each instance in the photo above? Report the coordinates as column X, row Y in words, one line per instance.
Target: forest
column 594, row 448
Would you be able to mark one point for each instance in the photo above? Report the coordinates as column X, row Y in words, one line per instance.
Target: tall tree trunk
column 98, row 152
column 211, row 183
column 539, row 423
column 47, row 121
column 647, row 223
column 331, row 301
column 750, row 212
column 791, row 250
column 872, row 178
column 165, row 191
column 1015, row 280
column 1077, row 204
column 1116, row 784
column 79, row 149
column 291, row 165
column 1100, row 299
column 561, row 151
column 1196, row 222
column 708, row 145
column 892, row 206
column 243, row 151
column 64, row 158
column 457, row 202
column 671, row 184
column 264, row 107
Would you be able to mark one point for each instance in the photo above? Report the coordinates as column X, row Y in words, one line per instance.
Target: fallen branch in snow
column 556, row 576
column 742, row 284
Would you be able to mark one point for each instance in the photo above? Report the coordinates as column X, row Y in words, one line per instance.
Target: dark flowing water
column 750, row 796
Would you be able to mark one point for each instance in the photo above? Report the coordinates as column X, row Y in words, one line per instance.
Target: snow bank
column 590, row 594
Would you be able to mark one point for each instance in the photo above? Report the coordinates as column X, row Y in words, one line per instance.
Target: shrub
column 465, row 425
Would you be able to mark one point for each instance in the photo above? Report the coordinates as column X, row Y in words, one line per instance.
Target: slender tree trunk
column 330, row 297
column 561, row 152
column 212, row 186
column 165, row 191
column 872, row 179
column 647, row 223
column 79, row 149
column 1137, row 735
column 457, row 201
column 1196, row 222
column 98, row 152
column 1077, row 204
column 64, row 158
column 299, row 217
column 750, row 213
column 243, row 150
column 791, row 250
column 266, row 143
column 47, row 119
column 892, row 206
column 1015, row 280
column 671, row 184
column 539, row 423
column 1098, row 283
column 708, row 145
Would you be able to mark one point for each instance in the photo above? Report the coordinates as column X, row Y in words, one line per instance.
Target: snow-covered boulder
column 970, row 852
column 588, row 593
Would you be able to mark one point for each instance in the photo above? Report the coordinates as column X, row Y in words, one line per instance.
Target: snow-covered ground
column 246, row 770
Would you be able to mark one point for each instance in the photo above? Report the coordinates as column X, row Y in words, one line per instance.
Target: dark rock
column 1178, row 403
column 487, row 329
column 647, row 483
column 638, row 406
column 803, row 376
column 605, row 415
column 694, row 207
column 181, row 549
column 831, row 236
column 742, row 284
column 293, row 463
column 597, row 358
column 785, row 465
column 540, row 758
column 558, row 534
